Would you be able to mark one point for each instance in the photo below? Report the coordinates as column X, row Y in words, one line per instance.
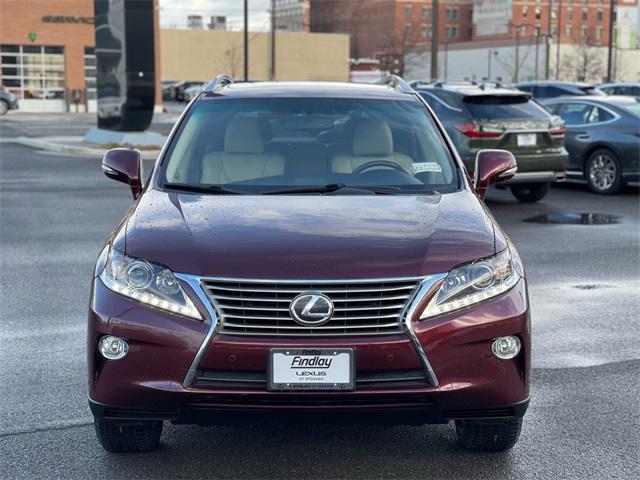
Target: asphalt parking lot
column 583, row 421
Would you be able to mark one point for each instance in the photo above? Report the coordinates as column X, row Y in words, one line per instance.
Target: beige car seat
column 372, row 141
column 243, row 158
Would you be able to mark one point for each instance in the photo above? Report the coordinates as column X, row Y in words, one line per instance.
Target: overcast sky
column 173, row 13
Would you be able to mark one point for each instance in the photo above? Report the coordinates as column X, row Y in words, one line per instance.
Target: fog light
column 506, row 347
column 113, row 348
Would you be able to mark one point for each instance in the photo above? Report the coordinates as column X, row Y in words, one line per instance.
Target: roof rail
column 398, row 83
column 217, row 83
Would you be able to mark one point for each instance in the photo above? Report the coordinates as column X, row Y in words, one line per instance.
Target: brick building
column 389, row 27
column 379, row 27
column 292, row 15
column 47, row 51
column 584, row 21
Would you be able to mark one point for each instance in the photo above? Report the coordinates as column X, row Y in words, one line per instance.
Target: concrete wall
column 470, row 61
column 202, row 54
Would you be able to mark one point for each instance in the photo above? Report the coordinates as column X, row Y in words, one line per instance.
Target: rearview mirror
column 493, row 166
column 123, row 165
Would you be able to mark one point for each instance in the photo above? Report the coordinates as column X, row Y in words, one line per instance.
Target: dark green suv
column 479, row 117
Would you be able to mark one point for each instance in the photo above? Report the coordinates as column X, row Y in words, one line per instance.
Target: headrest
column 372, row 137
column 244, row 135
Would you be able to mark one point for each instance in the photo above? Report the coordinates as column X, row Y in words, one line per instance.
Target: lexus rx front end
column 308, row 248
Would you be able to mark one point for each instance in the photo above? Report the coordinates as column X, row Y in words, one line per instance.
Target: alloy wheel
column 603, row 172
column 4, row 107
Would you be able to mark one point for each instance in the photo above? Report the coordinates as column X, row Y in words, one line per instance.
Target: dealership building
column 47, row 54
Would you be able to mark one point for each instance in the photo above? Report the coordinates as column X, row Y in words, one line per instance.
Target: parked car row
column 183, row 91
column 8, row 101
column 492, row 117
column 603, row 139
column 584, row 133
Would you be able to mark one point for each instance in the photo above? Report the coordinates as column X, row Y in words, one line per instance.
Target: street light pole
column 446, row 60
column 489, row 65
column 612, row 14
column 515, row 77
column 559, row 39
column 272, row 69
column 547, row 54
column 537, row 48
column 434, row 39
column 246, row 40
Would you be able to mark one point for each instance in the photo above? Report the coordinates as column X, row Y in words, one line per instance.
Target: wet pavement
column 583, row 421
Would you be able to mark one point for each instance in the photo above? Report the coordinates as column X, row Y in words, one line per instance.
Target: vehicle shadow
column 319, row 451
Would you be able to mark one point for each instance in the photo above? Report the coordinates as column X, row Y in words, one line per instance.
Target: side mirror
column 493, row 166
column 123, row 165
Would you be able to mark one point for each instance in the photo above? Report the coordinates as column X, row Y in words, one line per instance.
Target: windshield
column 504, row 107
column 257, row 146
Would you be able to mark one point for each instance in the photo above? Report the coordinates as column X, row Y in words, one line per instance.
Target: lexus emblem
column 311, row 309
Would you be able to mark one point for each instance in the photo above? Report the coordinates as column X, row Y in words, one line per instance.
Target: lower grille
column 258, row 380
column 260, row 307
column 501, row 412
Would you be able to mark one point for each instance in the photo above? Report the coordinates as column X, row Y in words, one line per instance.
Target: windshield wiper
column 201, row 188
column 336, row 187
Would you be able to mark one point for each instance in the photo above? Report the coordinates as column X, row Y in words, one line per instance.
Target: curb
column 73, row 149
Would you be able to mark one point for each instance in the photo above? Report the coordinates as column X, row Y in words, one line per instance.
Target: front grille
column 258, row 380
column 362, row 307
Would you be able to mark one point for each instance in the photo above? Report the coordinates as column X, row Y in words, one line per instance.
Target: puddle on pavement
column 591, row 286
column 575, row 218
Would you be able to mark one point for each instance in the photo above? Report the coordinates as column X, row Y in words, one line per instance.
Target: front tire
column 4, row 107
column 489, row 435
column 603, row 172
column 530, row 192
column 119, row 438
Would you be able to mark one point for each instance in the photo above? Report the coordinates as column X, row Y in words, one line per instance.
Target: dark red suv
column 308, row 251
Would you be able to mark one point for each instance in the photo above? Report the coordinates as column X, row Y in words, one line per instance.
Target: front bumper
column 537, row 177
column 150, row 381
column 537, row 168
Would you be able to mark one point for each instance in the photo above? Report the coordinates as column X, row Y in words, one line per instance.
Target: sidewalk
column 74, row 145
column 65, row 132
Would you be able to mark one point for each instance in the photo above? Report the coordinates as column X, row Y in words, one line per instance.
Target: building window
column 33, row 71
column 408, row 30
column 426, row 13
column 568, row 31
column 585, row 14
column 452, row 32
column 525, row 11
column 90, row 72
column 537, row 13
column 570, row 15
column 599, row 34
column 425, row 32
column 600, row 16
column 584, row 31
column 452, row 13
column 408, row 13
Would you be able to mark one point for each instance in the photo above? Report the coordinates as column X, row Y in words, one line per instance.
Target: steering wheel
column 378, row 163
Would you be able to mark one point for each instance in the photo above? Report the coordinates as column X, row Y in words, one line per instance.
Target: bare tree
column 507, row 60
column 232, row 61
column 585, row 62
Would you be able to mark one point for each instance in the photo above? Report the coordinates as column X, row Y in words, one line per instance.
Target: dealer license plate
column 305, row 369
column 527, row 140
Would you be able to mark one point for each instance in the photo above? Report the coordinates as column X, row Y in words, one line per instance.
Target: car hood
column 308, row 236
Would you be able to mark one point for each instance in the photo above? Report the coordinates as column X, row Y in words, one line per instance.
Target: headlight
column 472, row 283
column 147, row 282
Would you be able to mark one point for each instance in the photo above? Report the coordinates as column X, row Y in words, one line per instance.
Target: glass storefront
column 90, row 78
column 36, row 74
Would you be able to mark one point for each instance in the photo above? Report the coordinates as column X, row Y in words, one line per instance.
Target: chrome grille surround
column 261, row 307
